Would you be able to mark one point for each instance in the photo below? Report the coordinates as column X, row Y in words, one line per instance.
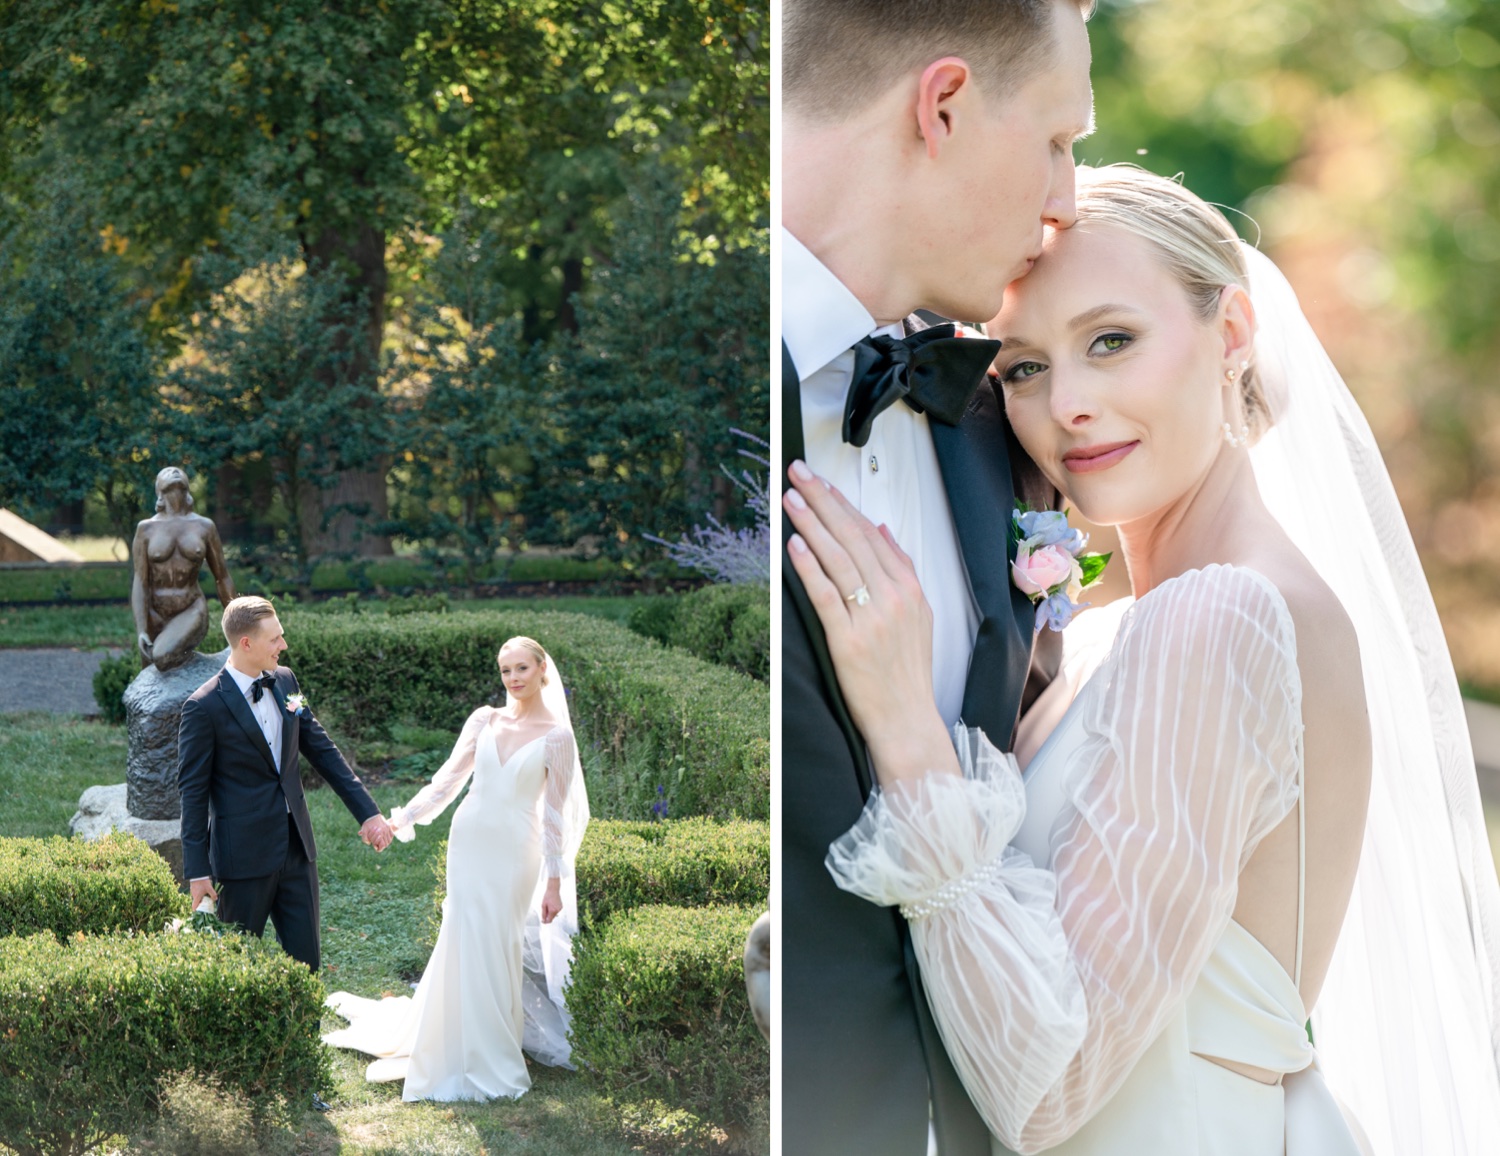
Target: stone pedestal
column 147, row 804
column 102, row 810
column 153, row 707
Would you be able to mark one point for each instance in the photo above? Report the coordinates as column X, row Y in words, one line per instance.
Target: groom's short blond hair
column 839, row 55
column 241, row 616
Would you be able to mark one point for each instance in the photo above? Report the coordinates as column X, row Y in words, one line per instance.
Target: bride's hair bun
column 1196, row 243
column 525, row 643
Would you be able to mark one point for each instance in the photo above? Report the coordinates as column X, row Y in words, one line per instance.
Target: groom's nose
column 1061, row 209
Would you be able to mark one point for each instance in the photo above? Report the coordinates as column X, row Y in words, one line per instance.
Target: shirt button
column 874, row 464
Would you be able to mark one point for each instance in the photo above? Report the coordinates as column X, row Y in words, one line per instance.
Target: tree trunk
column 360, row 252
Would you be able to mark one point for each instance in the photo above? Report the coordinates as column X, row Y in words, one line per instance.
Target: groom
column 924, row 150
column 244, row 817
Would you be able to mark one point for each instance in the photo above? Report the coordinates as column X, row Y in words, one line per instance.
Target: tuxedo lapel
column 288, row 730
column 792, row 448
column 975, row 458
column 243, row 715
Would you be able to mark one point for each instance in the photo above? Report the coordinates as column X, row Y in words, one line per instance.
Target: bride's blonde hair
column 525, row 643
column 1196, row 243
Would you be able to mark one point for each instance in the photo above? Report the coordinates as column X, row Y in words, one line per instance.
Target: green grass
column 374, row 909
column 94, row 627
column 113, row 580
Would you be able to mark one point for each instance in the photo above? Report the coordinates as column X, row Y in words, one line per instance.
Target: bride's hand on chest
column 877, row 624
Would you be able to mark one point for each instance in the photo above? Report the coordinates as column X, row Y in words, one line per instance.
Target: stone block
column 153, row 708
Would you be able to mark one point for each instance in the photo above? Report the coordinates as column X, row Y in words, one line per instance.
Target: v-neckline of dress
column 505, row 762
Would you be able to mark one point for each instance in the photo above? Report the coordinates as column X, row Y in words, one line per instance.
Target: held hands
column 878, row 625
column 552, row 901
column 376, row 832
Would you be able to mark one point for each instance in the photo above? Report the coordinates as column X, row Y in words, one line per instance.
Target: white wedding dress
column 484, row 993
column 1074, row 928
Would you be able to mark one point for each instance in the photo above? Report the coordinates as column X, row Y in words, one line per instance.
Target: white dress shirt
column 894, row 478
column 267, row 712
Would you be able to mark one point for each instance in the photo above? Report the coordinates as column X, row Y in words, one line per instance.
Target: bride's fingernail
column 795, row 500
column 796, row 545
column 798, row 469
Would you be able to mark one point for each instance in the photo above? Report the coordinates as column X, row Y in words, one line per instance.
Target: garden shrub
column 200, row 1117
column 659, row 1007
column 680, row 863
column 110, row 682
column 94, row 1025
column 64, row 886
column 647, row 717
column 729, row 625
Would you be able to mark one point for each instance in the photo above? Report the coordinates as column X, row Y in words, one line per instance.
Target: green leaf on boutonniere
column 1092, row 566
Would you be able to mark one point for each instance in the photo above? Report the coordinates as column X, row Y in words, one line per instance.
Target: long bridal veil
column 1407, row 1025
column 547, row 951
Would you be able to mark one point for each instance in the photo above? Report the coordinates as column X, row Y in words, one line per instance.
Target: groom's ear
column 941, row 93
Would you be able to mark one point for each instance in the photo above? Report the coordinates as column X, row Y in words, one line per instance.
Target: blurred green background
column 1360, row 140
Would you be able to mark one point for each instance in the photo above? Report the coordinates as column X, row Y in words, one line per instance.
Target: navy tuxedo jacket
column 862, row 1059
column 234, row 804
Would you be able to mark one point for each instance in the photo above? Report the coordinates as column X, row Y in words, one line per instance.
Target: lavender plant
column 738, row 557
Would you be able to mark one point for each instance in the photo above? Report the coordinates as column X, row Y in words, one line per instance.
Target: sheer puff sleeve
column 562, row 760
column 431, row 800
column 1049, row 985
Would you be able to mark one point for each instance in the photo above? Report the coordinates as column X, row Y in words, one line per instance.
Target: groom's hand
column 200, row 888
column 376, row 832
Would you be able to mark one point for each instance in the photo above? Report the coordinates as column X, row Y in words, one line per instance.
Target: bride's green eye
column 1021, row 370
column 1110, row 343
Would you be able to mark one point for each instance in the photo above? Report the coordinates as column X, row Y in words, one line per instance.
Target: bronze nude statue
column 170, row 548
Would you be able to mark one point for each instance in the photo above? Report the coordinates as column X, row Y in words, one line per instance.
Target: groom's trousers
column 288, row 897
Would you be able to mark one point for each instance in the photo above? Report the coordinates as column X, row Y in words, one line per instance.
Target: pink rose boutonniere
column 296, row 703
column 1050, row 567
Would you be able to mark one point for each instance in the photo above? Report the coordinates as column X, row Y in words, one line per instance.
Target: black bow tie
column 933, row 371
column 260, row 685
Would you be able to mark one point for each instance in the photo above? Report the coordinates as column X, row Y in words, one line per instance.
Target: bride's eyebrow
column 1090, row 316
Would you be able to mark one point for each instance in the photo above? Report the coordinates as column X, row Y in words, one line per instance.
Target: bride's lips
column 1090, row 459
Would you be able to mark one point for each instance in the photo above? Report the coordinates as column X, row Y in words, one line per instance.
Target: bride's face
column 1113, row 384
column 520, row 672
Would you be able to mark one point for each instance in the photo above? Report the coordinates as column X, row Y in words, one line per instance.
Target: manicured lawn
column 375, row 910
column 113, row 580
column 93, row 627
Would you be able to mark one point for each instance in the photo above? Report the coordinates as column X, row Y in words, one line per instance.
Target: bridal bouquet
column 1050, row 566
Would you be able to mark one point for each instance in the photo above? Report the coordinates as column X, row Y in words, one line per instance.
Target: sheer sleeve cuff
column 401, row 825
column 924, row 843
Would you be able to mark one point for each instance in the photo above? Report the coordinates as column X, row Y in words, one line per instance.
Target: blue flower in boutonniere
column 1050, row 567
column 296, row 703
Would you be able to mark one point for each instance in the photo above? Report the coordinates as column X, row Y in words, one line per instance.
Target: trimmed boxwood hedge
column 659, row 1007
column 729, row 625
column 93, row 1025
column 647, row 717
column 66, row 885
column 680, row 862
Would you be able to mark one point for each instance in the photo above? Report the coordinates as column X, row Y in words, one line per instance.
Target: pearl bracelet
column 951, row 892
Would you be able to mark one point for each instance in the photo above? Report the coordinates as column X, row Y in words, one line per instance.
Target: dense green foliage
column 111, row 681
column 726, row 624
column 93, row 1025
column 67, row 886
column 659, row 1005
column 679, row 863
column 653, row 724
column 416, row 215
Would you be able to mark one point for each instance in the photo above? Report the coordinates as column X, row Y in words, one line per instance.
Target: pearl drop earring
column 1236, row 442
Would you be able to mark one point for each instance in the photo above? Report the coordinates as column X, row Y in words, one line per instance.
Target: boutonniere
column 1050, row 567
column 296, row 703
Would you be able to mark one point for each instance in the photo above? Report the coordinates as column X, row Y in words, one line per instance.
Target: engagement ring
column 860, row 597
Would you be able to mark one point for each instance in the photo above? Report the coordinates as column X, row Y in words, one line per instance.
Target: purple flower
column 659, row 808
column 1056, row 611
column 1049, row 528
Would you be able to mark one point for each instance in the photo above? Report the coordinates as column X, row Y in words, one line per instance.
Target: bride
column 494, row 984
column 1247, row 800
